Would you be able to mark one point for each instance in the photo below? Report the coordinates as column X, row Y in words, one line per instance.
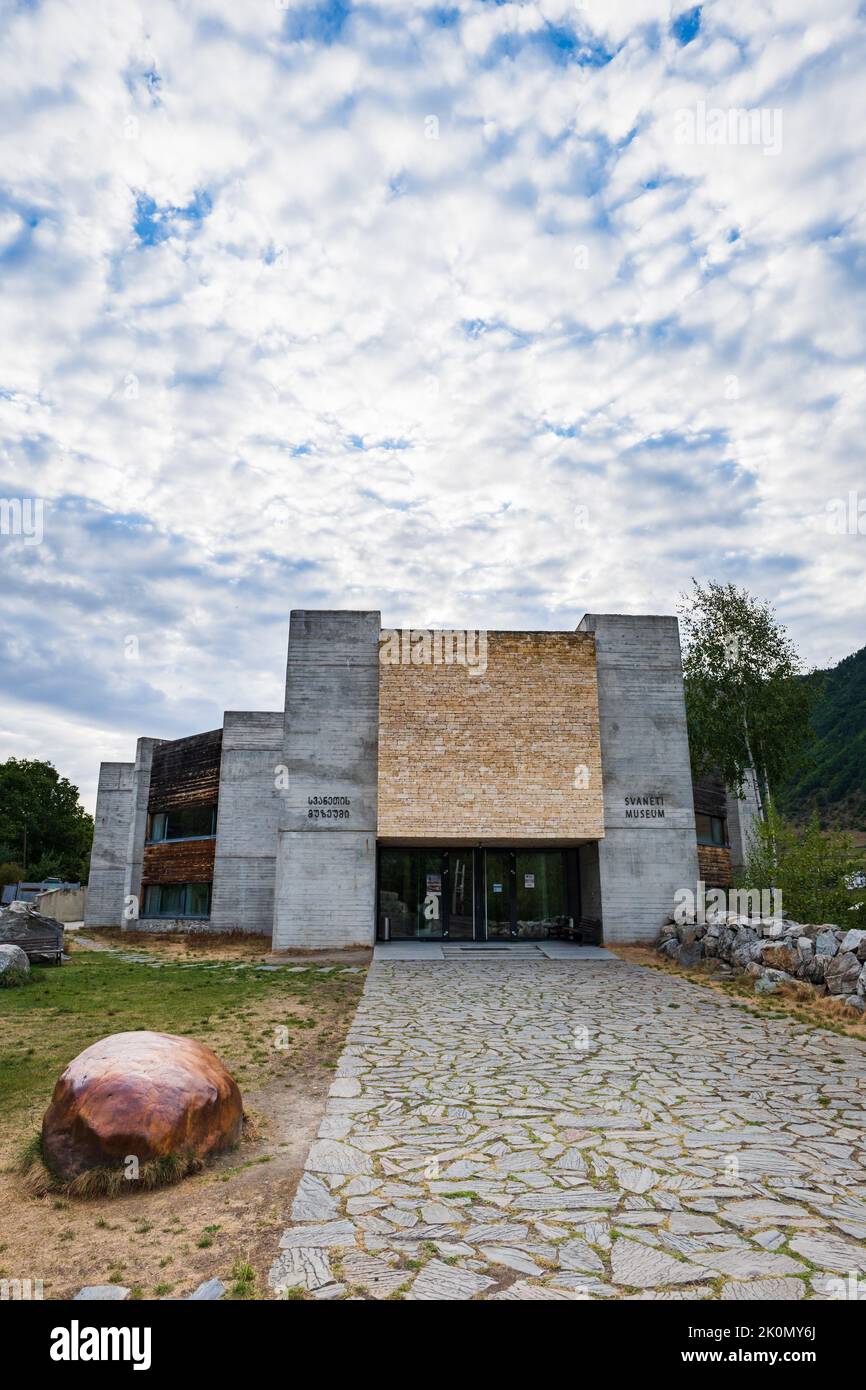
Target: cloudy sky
column 479, row 314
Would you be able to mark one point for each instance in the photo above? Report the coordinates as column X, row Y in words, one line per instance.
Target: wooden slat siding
column 714, row 866
column 710, row 797
column 186, row 772
column 181, row 861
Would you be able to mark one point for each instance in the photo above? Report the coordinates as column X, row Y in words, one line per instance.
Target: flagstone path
column 514, row 1129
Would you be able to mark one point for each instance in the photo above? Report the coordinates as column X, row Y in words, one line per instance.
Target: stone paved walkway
column 548, row 1130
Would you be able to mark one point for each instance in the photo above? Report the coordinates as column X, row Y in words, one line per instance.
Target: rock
column 320, row 1237
column 690, row 953
column 207, row 1292
column 830, row 1252
column 805, row 948
column 815, row 968
column 762, row 1290
column 14, row 965
column 576, row 1254
column 765, row 985
column 769, row 980
column 781, row 958
column 313, row 1200
column 749, row 1211
column 641, row 1267
column 842, row 973
column 826, row 943
column 750, row 1264
column 40, row 937
column 773, row 928
column 147, row 1095
column 107, row 1293
column 511, row 1258
column 304, row 1267
column 852, row 940
column 330, row 1156
column 856, row 1001
column 438, row 1281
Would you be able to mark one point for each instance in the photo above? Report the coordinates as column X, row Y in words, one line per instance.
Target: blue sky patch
column 687, row 25
column 153, row 224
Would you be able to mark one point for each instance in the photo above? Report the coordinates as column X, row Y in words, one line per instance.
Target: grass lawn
column 279, row 1033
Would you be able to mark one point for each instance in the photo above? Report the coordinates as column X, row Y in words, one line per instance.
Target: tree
column 42, row 819
column 10, row 872
column 747, row 703
column 808, row 865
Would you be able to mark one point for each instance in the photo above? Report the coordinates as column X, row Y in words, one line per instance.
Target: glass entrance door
column 484, row 894
column 525, row 894
column 498, row 893
column 426, row 894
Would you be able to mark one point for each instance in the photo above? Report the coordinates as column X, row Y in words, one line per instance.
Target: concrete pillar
column 111, row 824
column 743, row 813
column 247, row 822
column 326, row 847
column 649, row 848
column 137, row 827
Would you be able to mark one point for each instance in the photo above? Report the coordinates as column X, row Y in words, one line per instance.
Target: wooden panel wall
column 710, row 796
column 714, row 866
column 185, row 861
column 186, row 772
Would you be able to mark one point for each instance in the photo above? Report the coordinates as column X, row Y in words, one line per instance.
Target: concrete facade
column 743, row 814
column 326, row 845
column 248, row 819
column 649, row 848
column 568, row 744
column 139, row 796
column 111, row 825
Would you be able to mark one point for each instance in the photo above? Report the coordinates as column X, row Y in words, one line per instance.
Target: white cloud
column 383, row 369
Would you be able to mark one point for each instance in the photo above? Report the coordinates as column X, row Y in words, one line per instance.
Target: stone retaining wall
column 829, row 958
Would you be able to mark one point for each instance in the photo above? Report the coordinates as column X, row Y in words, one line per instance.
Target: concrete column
column 247, row 822
column 326, row 847
column 104, row 895
column 649, row 848
column 743, row 813
column 138, row 825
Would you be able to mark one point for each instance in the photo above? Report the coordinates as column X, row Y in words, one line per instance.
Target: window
column 177, row 900
column 186, row 823
column 712, row 830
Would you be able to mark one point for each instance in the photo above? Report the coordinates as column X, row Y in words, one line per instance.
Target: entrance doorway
column 476, row 894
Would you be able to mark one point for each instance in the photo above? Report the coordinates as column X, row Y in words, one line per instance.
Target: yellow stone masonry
column 512, row 754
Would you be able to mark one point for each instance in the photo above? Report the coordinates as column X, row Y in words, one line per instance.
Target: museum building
column 426, row 785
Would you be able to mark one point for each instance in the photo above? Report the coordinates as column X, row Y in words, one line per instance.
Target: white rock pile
column 829, row 958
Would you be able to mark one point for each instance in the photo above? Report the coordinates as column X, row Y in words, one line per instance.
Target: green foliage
column 10, row 872
column 832, row 777
column 809, row 865
column 747, row 704
column 34, row 796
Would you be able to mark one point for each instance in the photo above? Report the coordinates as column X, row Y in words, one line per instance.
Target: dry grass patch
column 797, row 1000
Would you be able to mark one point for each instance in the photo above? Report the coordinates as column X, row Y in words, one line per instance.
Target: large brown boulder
column 147, row 1095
